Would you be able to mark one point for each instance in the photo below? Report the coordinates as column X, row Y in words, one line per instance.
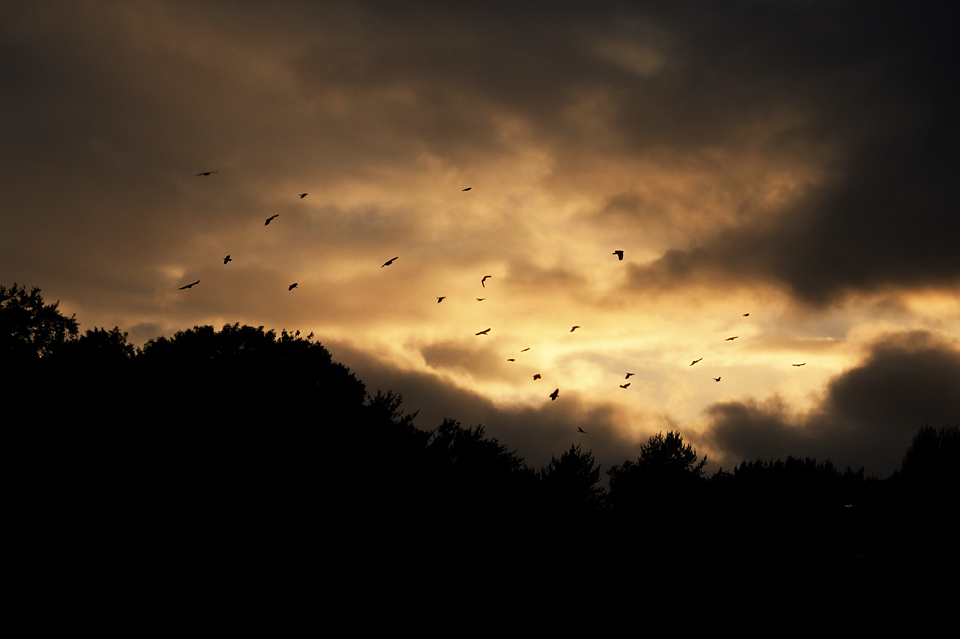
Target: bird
column 619, row 254
column 580, row 430
column 695, row 361
column 804, row 364
column 439, row 299
column 574, row 328
column 629, row 375
column 554, row 394
column 716, row 379
column 292, row 286
column 468, row 188
column 746, row 314
column 624, row 385
column 484, row 280
column 484, row 332
column 303, row 195
column 389, row 262
column 206, row 173
column 189, row 285
column 730, row 339
column 511, row 360
column 227, row 259
column 525, row 350
column 480, row 299
column 536, row 377
column 270, row 218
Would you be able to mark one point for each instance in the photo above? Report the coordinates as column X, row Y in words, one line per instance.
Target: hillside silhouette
column 219, row 441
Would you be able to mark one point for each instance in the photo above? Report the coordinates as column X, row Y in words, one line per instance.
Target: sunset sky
column 794, row 160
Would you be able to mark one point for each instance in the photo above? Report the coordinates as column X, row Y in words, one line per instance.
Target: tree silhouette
column 665, row 478
column 99, row 346
column 569, row 484
column 933, row 458
column 29, row 328
column 244, row 429
column 478, row 479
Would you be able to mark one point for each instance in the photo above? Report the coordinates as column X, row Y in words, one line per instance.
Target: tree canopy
column 29, row 328
column 218, row 427
column 665, row 474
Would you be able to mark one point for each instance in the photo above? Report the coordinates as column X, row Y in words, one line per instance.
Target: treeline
column 243, row 429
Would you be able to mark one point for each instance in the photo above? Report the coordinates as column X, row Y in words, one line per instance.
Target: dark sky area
column 779, row 171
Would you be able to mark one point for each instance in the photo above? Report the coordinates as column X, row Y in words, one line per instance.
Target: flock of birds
column 556, row 393
column 228, row 259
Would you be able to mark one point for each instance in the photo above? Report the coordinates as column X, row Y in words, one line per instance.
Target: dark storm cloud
column 481, row 362
column 868, row 415
column 866, row 93
column 873, row 86
column 864, row 89
column 536, row 432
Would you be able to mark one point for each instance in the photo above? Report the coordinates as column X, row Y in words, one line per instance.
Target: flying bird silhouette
column 629, row 375
column 189, row 285
column 716, row 379
column 746, row 314
column 484, row 332
column 511, row 360
column 804, row 364
column 536, row 377
column 695, row 361
column 303, row 195
column 619, row 254
column 439, row 299
column 525, row 350
column 480, row 299
column 554, row 394
column 484, row 280
column 574, row 328
column 269, row 219
column 730, row 339
column 389, row 262
column 468, row 188
column 292, row 286
column 624, row 385
column 227, row 259
column 580, row 430
column 206, row 173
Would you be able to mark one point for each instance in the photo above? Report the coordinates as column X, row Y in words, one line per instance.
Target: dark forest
column 219, row 441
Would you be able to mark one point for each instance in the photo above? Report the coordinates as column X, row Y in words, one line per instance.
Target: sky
column 784, row 172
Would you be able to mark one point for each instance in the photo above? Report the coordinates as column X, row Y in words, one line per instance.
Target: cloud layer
column 793, row 160
column 868, row 416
